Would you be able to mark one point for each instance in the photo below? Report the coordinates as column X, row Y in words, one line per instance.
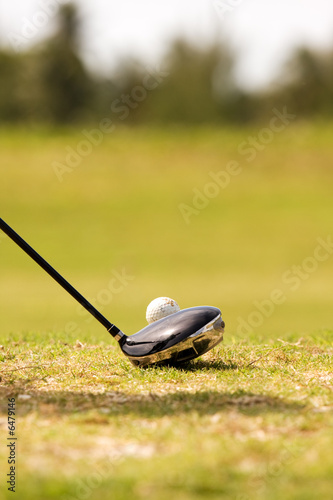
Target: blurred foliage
column 188, row 94
column 310, row 86
column 66, row 85
column 50, row 84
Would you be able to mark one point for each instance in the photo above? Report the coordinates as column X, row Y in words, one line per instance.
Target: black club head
column 180, row 337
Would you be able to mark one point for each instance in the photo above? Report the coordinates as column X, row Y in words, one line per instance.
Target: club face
column 177, row 338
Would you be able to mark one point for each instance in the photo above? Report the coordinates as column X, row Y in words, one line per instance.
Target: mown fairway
column 250, row 420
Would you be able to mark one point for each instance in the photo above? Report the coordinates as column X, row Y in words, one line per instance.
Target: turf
column 251, row 419
column 243, row 422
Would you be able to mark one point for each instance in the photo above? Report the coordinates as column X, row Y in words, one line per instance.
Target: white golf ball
column 160, row 308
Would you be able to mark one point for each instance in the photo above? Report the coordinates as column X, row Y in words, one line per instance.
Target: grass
column 251, row 419
column 245, row 421
column 119, row 210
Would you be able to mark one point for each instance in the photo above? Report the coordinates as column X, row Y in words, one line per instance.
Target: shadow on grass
column 116, row 403
column 201, row 364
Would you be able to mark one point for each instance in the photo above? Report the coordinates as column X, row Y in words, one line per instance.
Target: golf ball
column 160, row 308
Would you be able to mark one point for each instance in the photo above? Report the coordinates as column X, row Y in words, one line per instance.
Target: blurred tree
column 9, row 87
column 307, row 84
column 50, row 83
column 200, row 82
column 67, row 85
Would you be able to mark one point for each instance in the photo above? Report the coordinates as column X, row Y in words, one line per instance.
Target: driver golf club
column 177, row 338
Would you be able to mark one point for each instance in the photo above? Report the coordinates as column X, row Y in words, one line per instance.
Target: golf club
column 177, row 338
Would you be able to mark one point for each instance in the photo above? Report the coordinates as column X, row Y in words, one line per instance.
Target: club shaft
column 112, row 329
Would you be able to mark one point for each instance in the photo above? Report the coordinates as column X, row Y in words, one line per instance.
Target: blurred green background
column 113, row 174
column 120, row 211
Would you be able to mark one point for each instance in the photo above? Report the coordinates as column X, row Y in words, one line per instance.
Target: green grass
column 245, row 421
column 119, row 210
column 250, row 420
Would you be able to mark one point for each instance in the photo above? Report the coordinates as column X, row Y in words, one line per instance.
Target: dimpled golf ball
column 160, row 308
